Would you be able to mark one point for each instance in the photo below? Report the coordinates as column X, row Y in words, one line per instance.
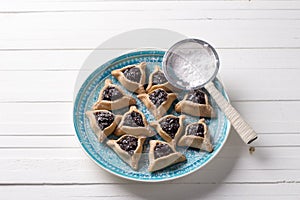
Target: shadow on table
column 197, row 184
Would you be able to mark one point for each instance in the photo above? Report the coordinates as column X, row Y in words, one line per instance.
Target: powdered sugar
column 194, row 64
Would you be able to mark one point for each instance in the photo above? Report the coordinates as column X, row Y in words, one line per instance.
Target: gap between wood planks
column 160, row 183
column 170, row 19
column 142, row 10
column 91, row 49
column 63, row 6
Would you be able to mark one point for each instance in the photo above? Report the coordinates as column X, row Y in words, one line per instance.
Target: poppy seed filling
column 170, row 125
column 196, row 130
column 111, row 93
column 196, row 96
column 161, row 150
column 134, row 74
column 133, row 119
column 158, row 78
column 104, row 119
column 158, row 97
column 129, row 144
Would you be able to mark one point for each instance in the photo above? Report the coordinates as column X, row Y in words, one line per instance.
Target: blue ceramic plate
column 107, row 159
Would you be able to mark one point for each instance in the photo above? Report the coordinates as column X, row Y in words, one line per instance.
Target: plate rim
column 89, row 154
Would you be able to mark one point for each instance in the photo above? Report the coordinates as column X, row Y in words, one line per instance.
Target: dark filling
column 158, row 78
column 134, row 74
column 158, row 97
column 170, row 125
column 196, row 129
column 133, row 119
column 104, row 119
column 128, row 143
column 161, row 150
column 111, row 93
column 196, row 96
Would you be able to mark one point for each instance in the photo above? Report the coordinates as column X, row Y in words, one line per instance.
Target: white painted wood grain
column 73, row 59
column 156, row 191
column 49, row 86
column 189, row 11
column 236, row 28
column 28, row 5
column 50, row 32
column 262, row 84
column 234, row 164
column 65, row 174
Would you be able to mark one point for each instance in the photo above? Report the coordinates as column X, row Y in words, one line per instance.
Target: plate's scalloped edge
column 207, row 159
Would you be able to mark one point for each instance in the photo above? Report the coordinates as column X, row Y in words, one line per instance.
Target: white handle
column 247, row 134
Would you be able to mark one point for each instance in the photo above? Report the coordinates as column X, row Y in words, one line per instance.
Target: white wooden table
column 43, row 45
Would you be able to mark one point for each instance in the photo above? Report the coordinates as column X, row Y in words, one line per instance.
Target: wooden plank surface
column 72, row 60
column 240, row 28
column 233, row 165
column 59, row 5
column 156, row 191
column 235, row 33
column 44, row 44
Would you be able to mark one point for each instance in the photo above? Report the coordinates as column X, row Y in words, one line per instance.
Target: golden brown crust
column 158, row 112
column 166, row 86
column 131, row 160
column 141, row 130
column 102, row 134
column 165, row 161
column 123, row 102
column 195, row 109
column 163, row 134
column 202, row 143
column 128, row 84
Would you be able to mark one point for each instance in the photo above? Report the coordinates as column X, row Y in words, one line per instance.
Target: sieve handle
column 247, row 134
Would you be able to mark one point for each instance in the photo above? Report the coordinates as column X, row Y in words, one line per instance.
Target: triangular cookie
column 102, row 122
column 169, row 127
column 162, row 155
column 134, row 122
column 112, row 97
column 157, row 79
column 158, row 101
column 197, row 136
column 195, row 103
column 129, row 148
column 132, row 77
